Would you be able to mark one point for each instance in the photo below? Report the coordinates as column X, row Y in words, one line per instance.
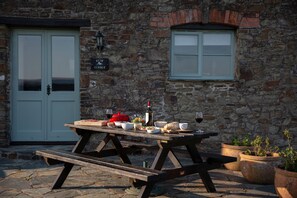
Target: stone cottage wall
column 261, row 99
column 4, row 75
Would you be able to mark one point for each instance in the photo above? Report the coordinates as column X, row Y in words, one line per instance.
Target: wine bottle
column 149, row 115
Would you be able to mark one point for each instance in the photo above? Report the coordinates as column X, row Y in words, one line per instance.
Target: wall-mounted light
column 100, row 63
column 100, row 41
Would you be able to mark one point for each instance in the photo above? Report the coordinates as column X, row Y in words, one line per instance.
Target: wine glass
column 199, row 119
column 108, row 113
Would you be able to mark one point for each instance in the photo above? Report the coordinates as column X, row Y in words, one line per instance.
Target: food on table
column 142, row 128
column 152, row 129
column 138, row 120
column 172, row 126
column 91, row 122
column 110, row 124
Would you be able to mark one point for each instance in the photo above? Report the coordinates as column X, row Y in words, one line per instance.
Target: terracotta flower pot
column 257, row 169
column 233, row 151
column 285, row 183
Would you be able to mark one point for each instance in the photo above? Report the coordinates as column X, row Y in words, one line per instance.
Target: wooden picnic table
column 140, row 176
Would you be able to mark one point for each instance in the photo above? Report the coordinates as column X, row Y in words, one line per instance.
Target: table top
column 143, row 134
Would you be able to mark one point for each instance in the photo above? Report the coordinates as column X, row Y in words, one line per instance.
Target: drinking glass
column 108, row 113
column 199, row 119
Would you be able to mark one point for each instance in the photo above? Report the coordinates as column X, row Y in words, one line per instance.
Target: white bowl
column 127, row 125
column 183, row 126
column 160, row 124
column 118, row 123
column 153, row 130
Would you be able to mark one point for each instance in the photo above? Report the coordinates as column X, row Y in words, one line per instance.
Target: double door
column 45, row 84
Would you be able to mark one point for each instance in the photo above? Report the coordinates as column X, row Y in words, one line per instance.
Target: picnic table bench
column 143, row 177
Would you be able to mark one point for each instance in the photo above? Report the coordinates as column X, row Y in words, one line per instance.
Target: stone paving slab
column 33, row 178
column 27, row 152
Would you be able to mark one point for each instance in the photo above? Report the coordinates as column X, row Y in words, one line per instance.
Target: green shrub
column 289, row 154
column 262, row 147
column 241, row 141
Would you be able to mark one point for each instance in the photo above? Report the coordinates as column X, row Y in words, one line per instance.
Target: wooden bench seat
column 135, row 172
column 217, row 158
column 214, row 160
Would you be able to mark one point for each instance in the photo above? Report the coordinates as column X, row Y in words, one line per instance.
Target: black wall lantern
column 100, row 63
column 100, row 41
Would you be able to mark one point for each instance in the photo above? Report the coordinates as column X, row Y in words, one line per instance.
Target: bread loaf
column 173, row 126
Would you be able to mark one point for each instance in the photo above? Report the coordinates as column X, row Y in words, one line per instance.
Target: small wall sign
column 100, row 64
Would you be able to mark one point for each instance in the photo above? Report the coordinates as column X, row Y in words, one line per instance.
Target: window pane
column 217, row 50
column 63, row 63
column 216, row 66
column 185, row 44
column 185, row 65
column 216, row 39
column 216, row 44
column 185, row 40
column 191, row 50
column 29, row 62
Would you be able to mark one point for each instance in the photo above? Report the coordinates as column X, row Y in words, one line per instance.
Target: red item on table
column 119, row 117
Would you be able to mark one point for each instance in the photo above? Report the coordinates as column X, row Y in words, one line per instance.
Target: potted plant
column 232, row 149
column 257, row 165
column 285, row 181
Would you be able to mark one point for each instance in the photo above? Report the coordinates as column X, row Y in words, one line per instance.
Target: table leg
column 117, row 144
column 103, row 143
column 145, row 191
column 174, row 159
column 204, row 175
column 62, row 176
column 157, row 164
column 160, row 157
column 194, row 154
column 78, row 148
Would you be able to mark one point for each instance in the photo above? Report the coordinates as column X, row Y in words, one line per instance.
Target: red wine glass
column 199, row 119
column 108, row 113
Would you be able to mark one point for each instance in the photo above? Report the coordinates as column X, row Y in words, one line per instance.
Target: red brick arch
column 215, row 16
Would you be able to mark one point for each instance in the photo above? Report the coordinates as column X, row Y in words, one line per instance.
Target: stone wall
column 261, row 99
column 4, row 75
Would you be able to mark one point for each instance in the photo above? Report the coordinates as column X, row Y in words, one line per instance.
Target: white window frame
column 200, row 56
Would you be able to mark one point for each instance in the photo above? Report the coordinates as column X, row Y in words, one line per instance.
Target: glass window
column 29, row 62
column 63, row 57
column 202, row 55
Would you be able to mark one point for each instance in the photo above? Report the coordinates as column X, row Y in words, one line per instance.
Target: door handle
column 48, row 89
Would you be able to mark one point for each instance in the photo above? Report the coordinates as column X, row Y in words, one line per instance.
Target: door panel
column 29, row 123
column 45, row 76
column 61, row 112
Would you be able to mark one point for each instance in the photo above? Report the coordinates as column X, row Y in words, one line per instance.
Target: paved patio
column 33, row 178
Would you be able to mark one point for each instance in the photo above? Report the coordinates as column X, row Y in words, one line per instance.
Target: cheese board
column 91, row 122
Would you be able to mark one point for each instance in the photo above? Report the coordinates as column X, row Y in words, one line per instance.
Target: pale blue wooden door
column 45, row 84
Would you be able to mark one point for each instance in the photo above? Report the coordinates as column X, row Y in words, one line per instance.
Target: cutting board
column 91, row 122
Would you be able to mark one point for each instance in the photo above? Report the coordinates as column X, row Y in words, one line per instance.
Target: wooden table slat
column 143, row 134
